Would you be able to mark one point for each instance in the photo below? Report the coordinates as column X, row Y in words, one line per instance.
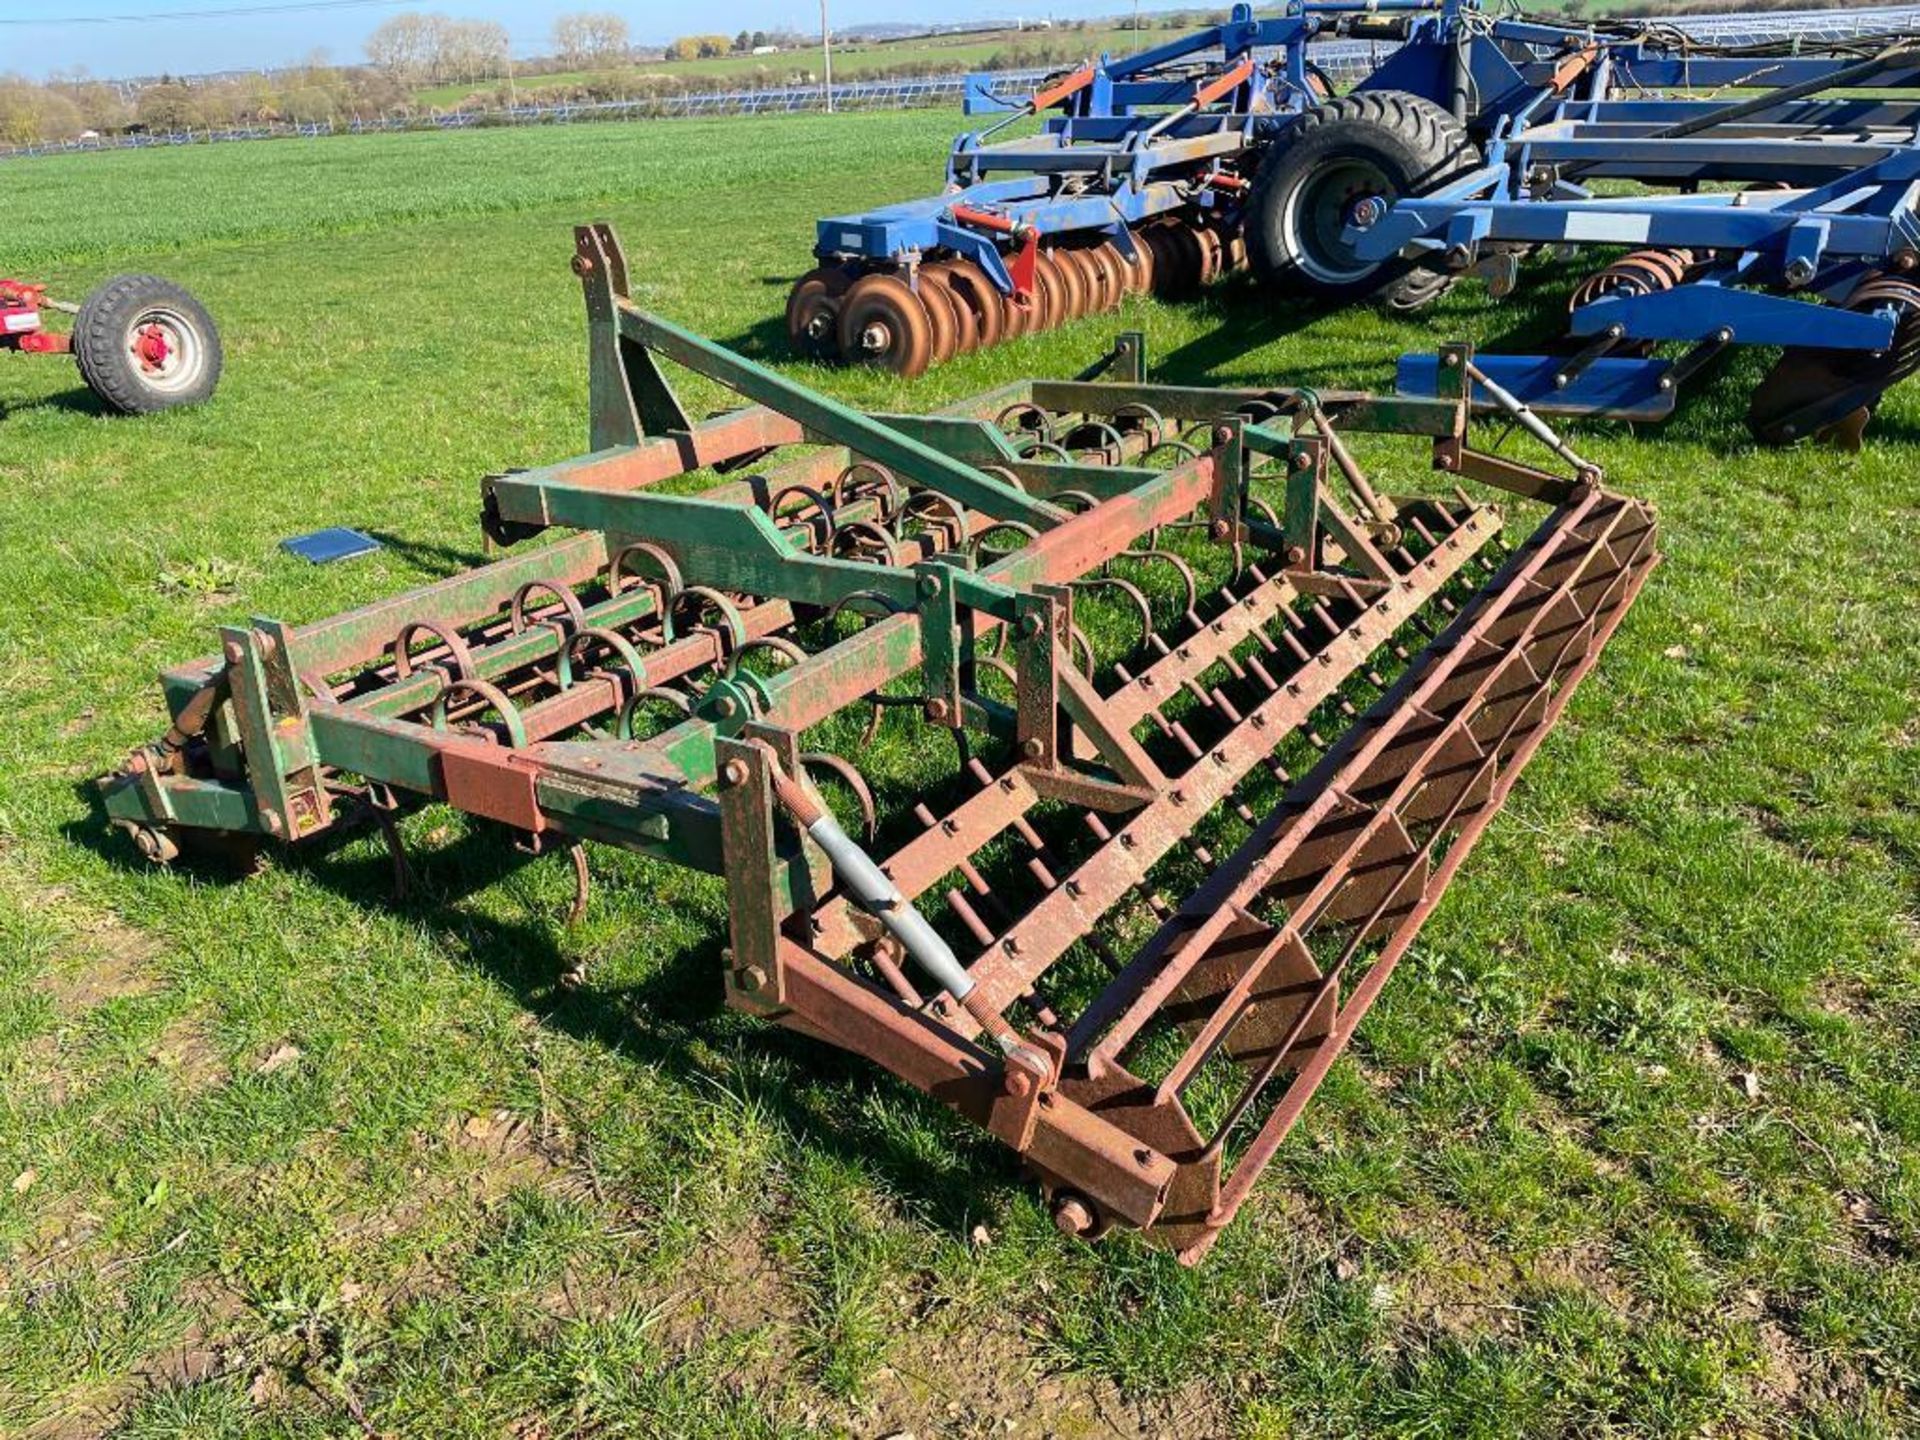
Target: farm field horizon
column 1630, row 1146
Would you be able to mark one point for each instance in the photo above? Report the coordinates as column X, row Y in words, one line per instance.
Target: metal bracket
column 630, row 397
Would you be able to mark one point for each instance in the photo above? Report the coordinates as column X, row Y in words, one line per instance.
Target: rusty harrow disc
column 1832, row 394
column 1086, row 754
column 942, row 307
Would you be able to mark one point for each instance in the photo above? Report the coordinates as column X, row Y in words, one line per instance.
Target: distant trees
column 30, row 113
column 699, row 47
column 415, row 48
column 474, row 50
column 407, row 46
column 587, row 39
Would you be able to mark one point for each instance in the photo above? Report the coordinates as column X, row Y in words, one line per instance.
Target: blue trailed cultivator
column 1764, row 176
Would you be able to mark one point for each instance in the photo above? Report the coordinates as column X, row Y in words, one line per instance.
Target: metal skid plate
column 1138, row 704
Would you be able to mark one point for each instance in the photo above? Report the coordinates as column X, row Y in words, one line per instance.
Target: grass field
column 1631, row 1145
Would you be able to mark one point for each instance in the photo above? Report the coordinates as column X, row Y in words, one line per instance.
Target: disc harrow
column 1086, row 754
column 925, row 312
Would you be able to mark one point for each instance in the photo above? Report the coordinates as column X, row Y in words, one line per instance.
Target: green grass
column 295, row 1160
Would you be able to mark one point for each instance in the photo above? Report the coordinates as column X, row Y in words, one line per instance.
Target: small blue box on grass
column 323, row 547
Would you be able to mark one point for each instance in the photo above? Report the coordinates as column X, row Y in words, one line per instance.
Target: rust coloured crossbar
column 1086, row 754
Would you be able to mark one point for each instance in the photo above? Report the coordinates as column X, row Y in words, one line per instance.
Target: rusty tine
column 890, row 971
column 982, row 934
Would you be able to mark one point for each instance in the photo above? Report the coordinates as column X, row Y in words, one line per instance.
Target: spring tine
column 396, row 851
column 582, row 882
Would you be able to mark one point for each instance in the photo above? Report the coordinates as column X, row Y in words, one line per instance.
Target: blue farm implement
column 1782, row 208
column 1765, row 175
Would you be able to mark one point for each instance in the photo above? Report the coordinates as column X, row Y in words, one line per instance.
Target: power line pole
column 826, row 53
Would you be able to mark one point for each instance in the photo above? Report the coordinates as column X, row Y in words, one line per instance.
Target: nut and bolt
column 937, row 710
column 751, row 979
column 1032, row 625
column 734, row 772
column 1033, row 748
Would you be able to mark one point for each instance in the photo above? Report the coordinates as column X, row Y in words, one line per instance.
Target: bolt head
column 751, row 979
column 1222, row 434
column 734, row 772
column 1296, row 555
column 1032, row 749
column 234, row 652
column 1018, row 1083
column 726, row 707
column 937, row 709
column 1303, row 461
column 582, row 265
column 929, row 585
column 1071, row 1214
column 1031, row 625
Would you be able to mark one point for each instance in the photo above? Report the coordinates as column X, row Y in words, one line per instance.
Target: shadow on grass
column 672, row 1021
column 429, row 555
column 765, row 339
column 79, row 400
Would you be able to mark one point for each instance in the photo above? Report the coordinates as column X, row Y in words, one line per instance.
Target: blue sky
column 38, row 37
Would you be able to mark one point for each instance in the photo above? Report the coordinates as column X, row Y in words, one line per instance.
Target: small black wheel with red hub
column 144, row 344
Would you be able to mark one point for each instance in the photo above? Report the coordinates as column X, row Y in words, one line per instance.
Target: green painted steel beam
column 907, row 457
column 728, row 547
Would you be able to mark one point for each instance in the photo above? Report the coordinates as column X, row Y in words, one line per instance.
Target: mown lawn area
column 1631, row 1145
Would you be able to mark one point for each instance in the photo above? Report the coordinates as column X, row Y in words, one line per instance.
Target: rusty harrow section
column 1086, row 754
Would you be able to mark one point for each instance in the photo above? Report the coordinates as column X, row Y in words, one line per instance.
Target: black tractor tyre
column 1375, row 145
column 144, row 344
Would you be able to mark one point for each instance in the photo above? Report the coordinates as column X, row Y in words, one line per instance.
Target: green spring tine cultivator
column 1086, row 754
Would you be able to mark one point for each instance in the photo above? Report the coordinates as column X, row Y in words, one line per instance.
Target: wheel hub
column 153, row 347
column 1366, row 212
